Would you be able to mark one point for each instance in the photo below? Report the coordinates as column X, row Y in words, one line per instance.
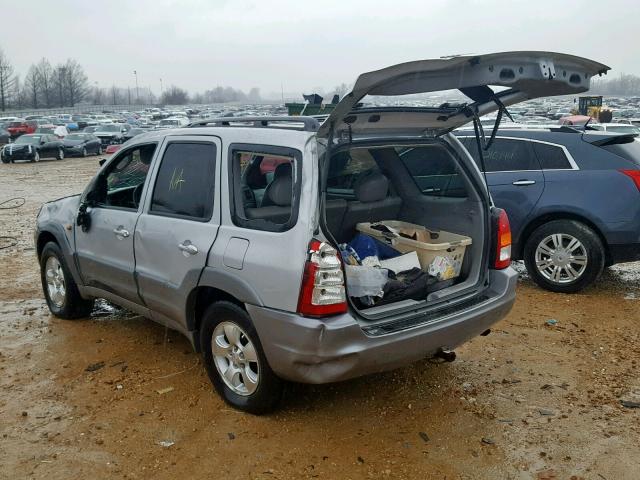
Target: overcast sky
column 199, row 44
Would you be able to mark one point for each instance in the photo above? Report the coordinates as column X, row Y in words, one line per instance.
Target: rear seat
column 372, row 205
column 277, row 200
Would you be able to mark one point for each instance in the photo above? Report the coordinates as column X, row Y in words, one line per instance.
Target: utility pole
column 135, row 72
column 161, row 90
column 129, row 91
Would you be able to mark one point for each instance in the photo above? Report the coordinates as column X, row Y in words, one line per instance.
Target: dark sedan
column 33, row 147
column 82, row 144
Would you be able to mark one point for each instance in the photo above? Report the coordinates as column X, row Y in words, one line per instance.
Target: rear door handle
column 188, row 248
column 524, row 182
column 121, row 232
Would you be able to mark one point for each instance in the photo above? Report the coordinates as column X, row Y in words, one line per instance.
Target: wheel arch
column 548, row 217
column 198, row 301
column 44, row 238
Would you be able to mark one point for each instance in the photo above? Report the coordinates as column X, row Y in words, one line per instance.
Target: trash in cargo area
column 388, row 261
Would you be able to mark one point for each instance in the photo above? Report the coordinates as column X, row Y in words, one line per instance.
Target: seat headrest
column 371, row 187
column 282, row 170
column 280, row 191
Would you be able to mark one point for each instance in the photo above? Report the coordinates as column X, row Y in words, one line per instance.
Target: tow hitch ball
column 445, row 354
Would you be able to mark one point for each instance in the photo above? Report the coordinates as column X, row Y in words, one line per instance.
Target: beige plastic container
column 444, row 244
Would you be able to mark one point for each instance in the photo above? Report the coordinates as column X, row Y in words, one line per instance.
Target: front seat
column 372, row 204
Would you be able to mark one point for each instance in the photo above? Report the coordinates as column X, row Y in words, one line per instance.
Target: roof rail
column 307, row 124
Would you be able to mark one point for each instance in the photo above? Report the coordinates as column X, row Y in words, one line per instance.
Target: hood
column 525, row 75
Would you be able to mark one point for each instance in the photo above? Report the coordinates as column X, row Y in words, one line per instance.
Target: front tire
column 564, row 256
column 60, row 290
column 60, row 154
column 36, row 157
column 235, row 361
column 84, row 151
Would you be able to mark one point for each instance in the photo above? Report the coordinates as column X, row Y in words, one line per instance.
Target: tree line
column 66, row 85
column 624, row 85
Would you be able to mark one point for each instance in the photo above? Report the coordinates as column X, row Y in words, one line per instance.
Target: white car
column 615, row 127
column 173, row 122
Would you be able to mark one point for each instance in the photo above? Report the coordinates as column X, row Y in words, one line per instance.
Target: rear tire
column 564, row 256
column 257, row 389
column 60, row 290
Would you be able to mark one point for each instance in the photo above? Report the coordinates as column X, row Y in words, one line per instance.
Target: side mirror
column 102, row 161
column 83, row 219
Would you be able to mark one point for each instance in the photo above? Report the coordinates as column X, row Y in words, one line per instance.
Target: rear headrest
column 371, row 187
column 280, row 191
column 282, row 170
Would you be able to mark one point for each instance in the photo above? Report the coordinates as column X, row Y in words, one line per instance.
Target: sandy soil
column 528, row 401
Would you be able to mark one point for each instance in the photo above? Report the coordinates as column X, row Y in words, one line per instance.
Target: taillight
column 322, row 292
column 503, row 241
column 633, row 175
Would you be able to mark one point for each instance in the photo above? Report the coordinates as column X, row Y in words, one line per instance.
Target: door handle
column 188, row 248
column 121, row 232
column 524, row 182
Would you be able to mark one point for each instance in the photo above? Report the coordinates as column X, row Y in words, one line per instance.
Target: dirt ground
column 529, row 401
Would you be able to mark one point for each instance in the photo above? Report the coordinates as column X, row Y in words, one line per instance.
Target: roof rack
column 307, row 124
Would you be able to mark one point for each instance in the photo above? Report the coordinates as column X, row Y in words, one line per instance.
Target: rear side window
column 185, row 183
column 551, row 157
column 265, row 183
column 505, row 155
column 629, row 150
column 344, row 170
column 434, row 170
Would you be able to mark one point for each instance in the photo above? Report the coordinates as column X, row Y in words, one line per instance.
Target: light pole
column 161, row 90
column 135, row 73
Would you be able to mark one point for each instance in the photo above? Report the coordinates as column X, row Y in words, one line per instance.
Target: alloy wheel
column 235, row 358
column 56, row 286
column 561, row 258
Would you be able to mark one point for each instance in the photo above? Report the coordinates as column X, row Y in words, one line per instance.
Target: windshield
column 44, row 130
column 15, row 124
column 109, row 128
column 26, row 140
column 168, row 122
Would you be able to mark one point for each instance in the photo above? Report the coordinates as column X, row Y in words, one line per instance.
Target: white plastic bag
column 365, row 281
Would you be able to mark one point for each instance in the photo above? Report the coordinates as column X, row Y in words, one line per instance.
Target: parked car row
column 36, row 146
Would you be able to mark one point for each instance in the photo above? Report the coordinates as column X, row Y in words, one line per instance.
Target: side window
column 121, row 184
column 434, row 170
column 185, row 182
column 265, row 187
column 550, row 156
column 344, row 170
column 505, row 155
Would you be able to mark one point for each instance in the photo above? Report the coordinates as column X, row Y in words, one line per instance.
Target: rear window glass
column 629, row 150
column 434, row 170
column 551, row 157
column 505, row 155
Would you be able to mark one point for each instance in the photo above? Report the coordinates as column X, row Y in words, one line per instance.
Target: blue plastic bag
column 366, row 246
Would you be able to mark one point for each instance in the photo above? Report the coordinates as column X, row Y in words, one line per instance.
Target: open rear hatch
column 407, row 209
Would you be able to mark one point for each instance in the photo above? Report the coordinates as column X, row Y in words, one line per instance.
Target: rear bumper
column 312, row 350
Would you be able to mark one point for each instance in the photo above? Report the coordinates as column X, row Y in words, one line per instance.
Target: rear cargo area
column 409, row 223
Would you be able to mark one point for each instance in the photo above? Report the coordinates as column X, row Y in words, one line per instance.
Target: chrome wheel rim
column 84, row 152
column 235, row 358
column 561, row 258
column 61, row 154
column 37, row 157
column 56, row 286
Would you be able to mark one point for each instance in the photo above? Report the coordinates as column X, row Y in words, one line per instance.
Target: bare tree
column 174, row 96
column 45, row 74
column 77, row 85
column 7, row 81
column 32, row 86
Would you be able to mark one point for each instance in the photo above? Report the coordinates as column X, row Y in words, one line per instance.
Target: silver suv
column 246, row 234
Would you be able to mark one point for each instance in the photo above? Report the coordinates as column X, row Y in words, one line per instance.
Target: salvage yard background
column 117, row 396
